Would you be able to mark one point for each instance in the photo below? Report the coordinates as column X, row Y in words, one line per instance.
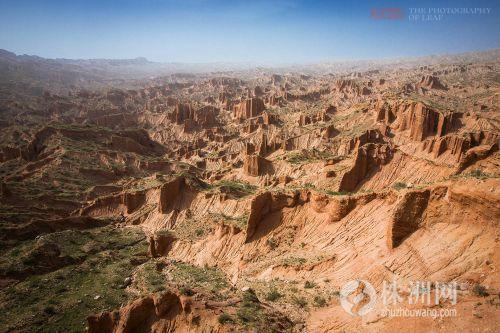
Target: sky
column 257, row 31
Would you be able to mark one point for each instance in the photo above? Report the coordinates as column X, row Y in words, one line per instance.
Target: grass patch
column 299, row 301
column 399, row 186
column 250, row 312
column 237, row 189
column 208, row 280
column 478, row 173
column 309, row 285
column 273, row 295
column 60, row 301
column 307, row 156
column 319, row 301
column 225, row 318
column 238, row 221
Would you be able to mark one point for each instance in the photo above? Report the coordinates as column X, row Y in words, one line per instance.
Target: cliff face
column 248, row 108
column 368, row 158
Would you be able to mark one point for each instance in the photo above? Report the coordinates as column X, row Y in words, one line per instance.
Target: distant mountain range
column 35, row 74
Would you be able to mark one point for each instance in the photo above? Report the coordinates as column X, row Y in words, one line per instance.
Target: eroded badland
column 244, row 201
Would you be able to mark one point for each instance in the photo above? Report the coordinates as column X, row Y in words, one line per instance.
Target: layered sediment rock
column 158, row 310
column 160, row 244
column 368, row 158
column 248, row 108
column 169, row 192
column 255, row 165
column 185, row 114
column 430, row 82
column 406, row 217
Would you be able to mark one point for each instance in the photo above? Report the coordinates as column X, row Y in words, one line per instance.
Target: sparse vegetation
column 272, row 243
column 236, row 189
column 319, row 301
column 478, row 173
column 250, row 312
column 69, row 294
column 225, row 318
column 309, row 285
column 239, row 221
column 480, row 290
column 299, row 301
column 186, row 291
column 207, row 280
column 273, row 295
column 399, row 186
column 307, row 156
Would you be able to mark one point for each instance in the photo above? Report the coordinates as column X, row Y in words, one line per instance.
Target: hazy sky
column 240, row 31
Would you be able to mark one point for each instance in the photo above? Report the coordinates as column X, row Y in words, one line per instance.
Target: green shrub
column 300, row 301
column 250, row 297
column 225, row 318
column 271, row 242
column 250, row 310
column 186, row 291
column 50, row 310
column 309, row 285
column 480, row 290
column 273, row 295
column 478, row 173
column 399, row 185
column 319, row 301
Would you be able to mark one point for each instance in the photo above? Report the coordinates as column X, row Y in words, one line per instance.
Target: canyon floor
column 246, row 200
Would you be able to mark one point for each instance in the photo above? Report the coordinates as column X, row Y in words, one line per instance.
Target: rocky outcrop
column 258, row 91
column 459, row 145
column 133, row 200
column 456, row 145
column 430, row 82
column 350, row 88
column 181, row 113
column 476, row 154
column 420, row 120
column 276, row 79
column 304, row 120
column 329, row 132
column 169, row 192
column 340, row 207
column 124, row 202
column 248, row 108
column 185, row 114
column 206, row 116
column 275, row 100
column 255, row 165
column 367, row 159
column 384, row 112
column 330, row 110
column 406, row 217
column 160, row 244
column 157, row 310
column 266, row 203
column 346, row 145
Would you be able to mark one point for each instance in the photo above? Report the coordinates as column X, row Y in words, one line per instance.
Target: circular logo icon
column 358, row 297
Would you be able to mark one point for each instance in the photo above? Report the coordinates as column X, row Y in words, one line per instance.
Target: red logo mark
column 387, row 13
